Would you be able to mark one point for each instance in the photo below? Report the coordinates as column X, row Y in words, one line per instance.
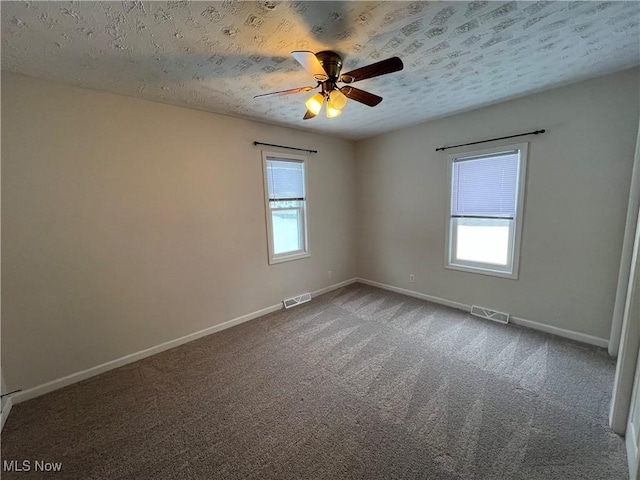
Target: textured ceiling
column 216, row 56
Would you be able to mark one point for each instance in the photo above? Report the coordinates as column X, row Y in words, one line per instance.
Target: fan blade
column 311, row 64
column 286, row 92
column 390, row 65
column 308, row 115
column 361, row 96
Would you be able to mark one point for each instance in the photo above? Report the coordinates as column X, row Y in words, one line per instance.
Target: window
column 286, row 205
column 485, row 210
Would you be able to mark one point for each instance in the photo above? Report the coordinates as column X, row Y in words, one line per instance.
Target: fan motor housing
column 331, row 62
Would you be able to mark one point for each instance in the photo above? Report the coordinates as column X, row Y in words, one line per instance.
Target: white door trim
column 629, row 346
column 627, row 252
column 631, row 437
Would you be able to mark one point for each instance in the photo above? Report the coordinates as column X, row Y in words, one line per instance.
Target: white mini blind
column 285, row 179
column 485, row 186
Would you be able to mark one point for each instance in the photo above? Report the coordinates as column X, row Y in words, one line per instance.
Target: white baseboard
column 335, row 286
column 127, row 359
column 412, row 293
column 119, row 362
column 5, row 413
column 561, row 332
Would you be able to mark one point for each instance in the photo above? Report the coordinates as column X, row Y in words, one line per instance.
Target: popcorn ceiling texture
column 215, row 56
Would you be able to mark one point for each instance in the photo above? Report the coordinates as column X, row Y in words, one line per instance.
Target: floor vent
column 499, row 317
column 292, row 302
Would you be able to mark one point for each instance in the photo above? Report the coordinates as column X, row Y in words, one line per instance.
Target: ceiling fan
column 325, row 67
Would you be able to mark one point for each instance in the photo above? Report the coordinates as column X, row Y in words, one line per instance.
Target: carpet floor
column 359, row 383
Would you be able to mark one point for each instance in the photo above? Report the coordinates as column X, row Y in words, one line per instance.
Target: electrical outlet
column 330, row 274
column 412, row 278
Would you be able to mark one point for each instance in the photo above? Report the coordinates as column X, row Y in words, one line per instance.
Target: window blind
column 485, row 187
column 285, row 180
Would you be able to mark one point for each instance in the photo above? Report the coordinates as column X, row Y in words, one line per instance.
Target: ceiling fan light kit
column 314, row 103
column 333, row 112
column 337, row 99
column 325, row 67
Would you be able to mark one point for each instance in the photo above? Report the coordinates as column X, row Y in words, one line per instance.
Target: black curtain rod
column 492, row 139
column 282, row 146
column 10, row 393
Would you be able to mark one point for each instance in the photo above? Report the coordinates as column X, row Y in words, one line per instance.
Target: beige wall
column 128, row 223
column 575, row 203
column 3, row 389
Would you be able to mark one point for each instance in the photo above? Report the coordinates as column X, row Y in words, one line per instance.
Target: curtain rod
column 283, row 146
column 10, row 393
column 492, row 139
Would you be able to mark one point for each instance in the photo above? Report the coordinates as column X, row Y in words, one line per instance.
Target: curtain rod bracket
column 537, row 132
column 283, row 146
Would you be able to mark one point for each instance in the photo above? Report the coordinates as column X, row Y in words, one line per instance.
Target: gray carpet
column 358, row 383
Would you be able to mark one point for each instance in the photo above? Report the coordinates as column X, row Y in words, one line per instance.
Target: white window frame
column 515, row 233
column 304, row 228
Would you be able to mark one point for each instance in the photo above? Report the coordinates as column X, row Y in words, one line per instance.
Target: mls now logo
column 27, row 466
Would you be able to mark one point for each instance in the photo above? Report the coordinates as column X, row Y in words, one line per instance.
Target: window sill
column 288, row 258
column 482, row 271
